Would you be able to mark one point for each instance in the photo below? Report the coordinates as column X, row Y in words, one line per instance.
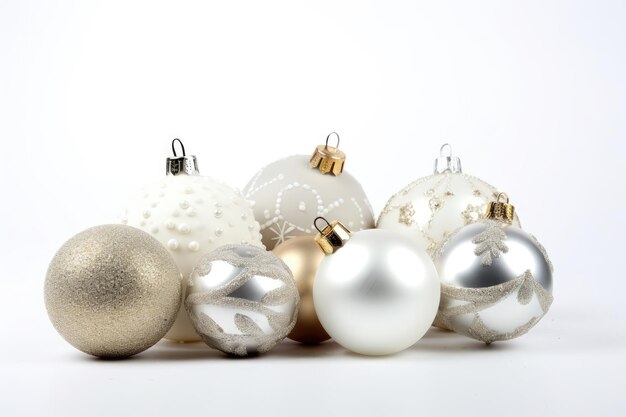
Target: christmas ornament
column 303, row 256
column 242, row 299
column 112, row 291
column 496, row 279
column 431, row 208
column 191, row 215
column 288, row 193
column 376, row 292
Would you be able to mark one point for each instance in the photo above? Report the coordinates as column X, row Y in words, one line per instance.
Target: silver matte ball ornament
column 431, row 208
column 378, row 294
column 242, row 299
column 112, row 291
column 496, row 279
column 288, row 193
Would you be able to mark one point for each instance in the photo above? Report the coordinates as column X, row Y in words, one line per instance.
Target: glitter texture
column 433, row 207
column 474, row 300
column 112, row 291
column 489, row 243
column 242, row 299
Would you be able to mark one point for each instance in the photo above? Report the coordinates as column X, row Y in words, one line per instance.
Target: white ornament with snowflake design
column 289, row 193
column 431, row 208
column 191, row 215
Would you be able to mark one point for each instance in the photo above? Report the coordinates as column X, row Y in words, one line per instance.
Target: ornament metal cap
column 332, row 237
column 446, row 162
column 178, row 165
column 501, row 211
column 328, row 159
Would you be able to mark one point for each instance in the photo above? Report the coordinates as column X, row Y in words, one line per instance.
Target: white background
column 530, row 94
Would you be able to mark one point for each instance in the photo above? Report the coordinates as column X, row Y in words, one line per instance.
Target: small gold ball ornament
column 112, row 291
column 303, row 256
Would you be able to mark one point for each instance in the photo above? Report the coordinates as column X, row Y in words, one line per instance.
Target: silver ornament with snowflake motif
column 496, row 281
column 242, row 299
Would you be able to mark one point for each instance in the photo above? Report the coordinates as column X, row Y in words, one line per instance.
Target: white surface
column 530, row 94
column 378, row 294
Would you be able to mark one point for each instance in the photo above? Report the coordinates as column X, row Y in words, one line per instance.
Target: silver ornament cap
column 446, row 162
column 181, row 165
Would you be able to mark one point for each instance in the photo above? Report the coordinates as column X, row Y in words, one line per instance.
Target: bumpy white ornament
column 288, row 193
column 242, row 299
column 431, row 208
column 191, row 215
column 378, row 294
column 496, row 279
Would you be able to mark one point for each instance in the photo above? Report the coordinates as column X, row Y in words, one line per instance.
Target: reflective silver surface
column 496, row 282
column 242, row 299
column 459, row 266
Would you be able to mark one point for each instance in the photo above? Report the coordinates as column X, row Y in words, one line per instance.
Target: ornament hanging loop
column 446, row 162
column 317, row 227
column 182, row 147
column 332, row 237
column 328, row 159
column 501, row 210
column 328, row 137
column 504, row 197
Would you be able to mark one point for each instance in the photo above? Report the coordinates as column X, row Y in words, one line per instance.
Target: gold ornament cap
column 328, row 159
column 501, row 210
column 178, row 165
column 332, row 237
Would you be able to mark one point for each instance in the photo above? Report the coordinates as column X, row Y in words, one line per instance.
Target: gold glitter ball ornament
column 112, row 291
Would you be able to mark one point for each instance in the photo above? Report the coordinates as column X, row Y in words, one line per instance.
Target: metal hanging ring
column 445, row 146
column 328, row 137
column 181, row 146
column 315, row 224
column 504, row 195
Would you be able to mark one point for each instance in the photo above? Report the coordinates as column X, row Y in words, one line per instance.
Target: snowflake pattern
column 282, row 232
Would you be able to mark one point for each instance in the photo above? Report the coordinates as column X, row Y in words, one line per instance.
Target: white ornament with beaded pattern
column 191, row 215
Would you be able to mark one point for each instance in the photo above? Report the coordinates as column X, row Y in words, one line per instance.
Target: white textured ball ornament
column 378, row 294
column 288, row 193
column 496, row 279
column 431, row 208
column 191, row 215
column 242, row 299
